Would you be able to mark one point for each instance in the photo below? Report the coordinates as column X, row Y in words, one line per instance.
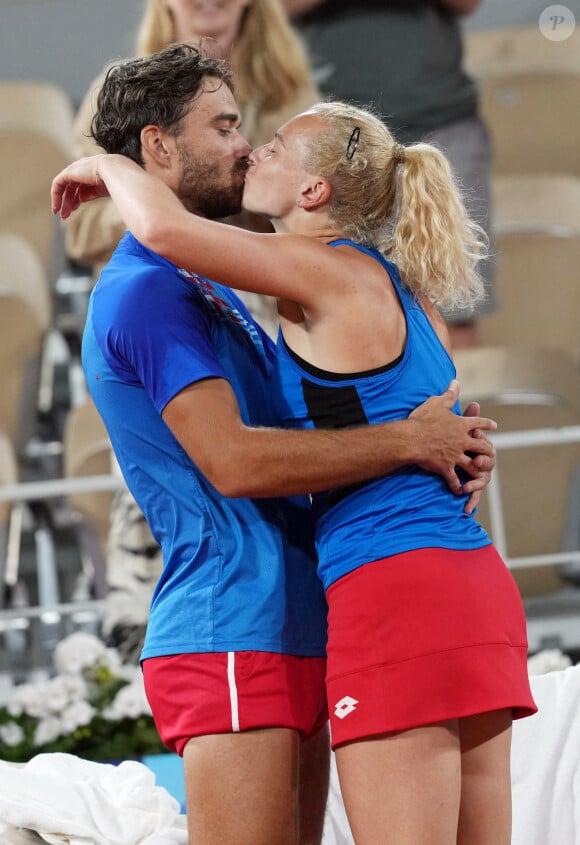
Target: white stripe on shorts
column 233, row 692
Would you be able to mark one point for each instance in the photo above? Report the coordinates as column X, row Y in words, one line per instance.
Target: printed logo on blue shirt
column 220, row 305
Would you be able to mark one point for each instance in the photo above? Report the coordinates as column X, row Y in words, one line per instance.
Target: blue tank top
column 409, row 509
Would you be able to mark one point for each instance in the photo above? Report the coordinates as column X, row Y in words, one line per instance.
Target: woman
column 427, row 639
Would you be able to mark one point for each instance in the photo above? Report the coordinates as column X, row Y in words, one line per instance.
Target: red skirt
column 424, row 637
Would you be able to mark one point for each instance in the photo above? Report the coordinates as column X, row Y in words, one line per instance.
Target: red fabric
column 191, row 694
column 423, row 637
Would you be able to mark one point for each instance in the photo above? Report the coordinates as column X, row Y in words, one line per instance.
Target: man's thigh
column 314, row 777
column 243, row 787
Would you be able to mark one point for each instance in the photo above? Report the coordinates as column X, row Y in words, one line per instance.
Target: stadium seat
column 8, row 476
column 25, row 316
column 87, row 452
column 537, row 225
column 530, row 89
column 36, row 120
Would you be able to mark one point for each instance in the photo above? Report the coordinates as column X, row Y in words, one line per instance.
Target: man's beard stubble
column 202, row 189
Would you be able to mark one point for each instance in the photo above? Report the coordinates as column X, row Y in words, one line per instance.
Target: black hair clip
column 352, row 145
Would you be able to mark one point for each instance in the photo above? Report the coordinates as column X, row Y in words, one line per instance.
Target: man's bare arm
column 241, row 460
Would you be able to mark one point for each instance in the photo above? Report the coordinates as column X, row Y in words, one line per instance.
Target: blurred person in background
column 406, row 58
column 272, row 83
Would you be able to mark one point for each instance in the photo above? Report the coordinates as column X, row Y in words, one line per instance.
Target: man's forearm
column 241, row 460
column 279, row 462
column 275, row 462
column 244, row 460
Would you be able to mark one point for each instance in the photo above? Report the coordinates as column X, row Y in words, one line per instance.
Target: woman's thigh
column 403, row 788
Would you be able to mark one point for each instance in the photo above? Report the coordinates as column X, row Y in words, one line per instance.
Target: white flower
column 31, row 699
column 47, row 730
column 129, row 703
column 79, row 713
column 88, row 673
column 63, row 691
column 11, row 734
column 111, row 659
column 130, row 672
column 548, row 660
column 75, row 687
column 80, row 651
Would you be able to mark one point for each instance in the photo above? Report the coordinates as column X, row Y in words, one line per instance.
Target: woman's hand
column 454, row 447
column 485, row 463
column 77, row 183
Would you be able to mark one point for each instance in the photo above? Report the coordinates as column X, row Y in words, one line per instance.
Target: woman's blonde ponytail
column 435, row 244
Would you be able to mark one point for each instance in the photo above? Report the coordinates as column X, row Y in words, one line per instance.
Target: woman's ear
column 157, row 146
column 315, row 194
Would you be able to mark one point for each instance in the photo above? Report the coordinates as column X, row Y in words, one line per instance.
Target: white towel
column 21, row 837
column 546, row 763
column 78, row 802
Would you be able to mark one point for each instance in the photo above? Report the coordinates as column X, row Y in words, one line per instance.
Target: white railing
column 37, row 490
column 567, row 625
column 519, row 440
column 30, row 491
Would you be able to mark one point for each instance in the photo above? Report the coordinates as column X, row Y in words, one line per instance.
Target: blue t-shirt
column 237, row 573
column 409, row 509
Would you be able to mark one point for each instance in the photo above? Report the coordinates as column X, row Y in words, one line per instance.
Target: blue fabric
column 237, row 573
column 410, row 509
column 168, row 771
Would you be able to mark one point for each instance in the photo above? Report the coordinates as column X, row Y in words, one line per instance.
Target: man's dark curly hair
column 156, row 90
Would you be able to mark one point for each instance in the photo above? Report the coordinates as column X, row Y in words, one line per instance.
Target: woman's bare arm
column 279, row 265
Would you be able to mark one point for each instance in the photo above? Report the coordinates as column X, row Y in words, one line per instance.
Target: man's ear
column 315, row 194
column 157, row 146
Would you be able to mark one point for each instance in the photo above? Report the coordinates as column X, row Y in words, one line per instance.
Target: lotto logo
column 345, row 706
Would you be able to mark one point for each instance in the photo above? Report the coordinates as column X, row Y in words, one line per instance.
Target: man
column 234, row 653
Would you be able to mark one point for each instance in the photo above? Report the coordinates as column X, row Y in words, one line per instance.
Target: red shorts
column 424, row 637
column 226, row 692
